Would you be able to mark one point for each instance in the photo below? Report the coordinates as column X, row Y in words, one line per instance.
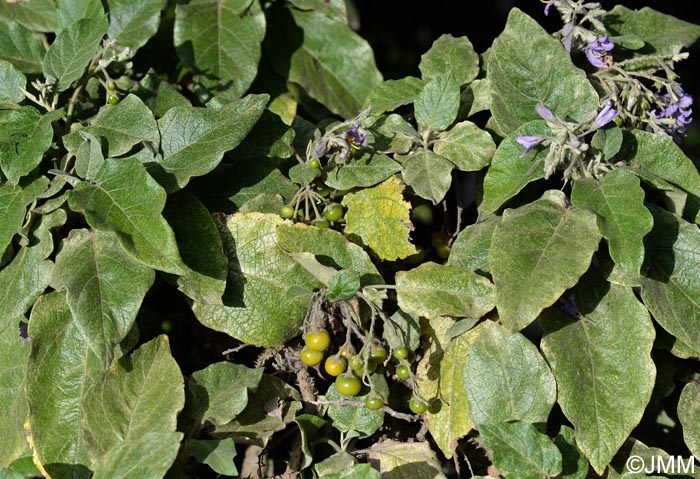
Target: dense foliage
column 222, row 234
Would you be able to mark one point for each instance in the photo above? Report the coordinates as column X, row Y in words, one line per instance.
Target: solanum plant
column 222, row 233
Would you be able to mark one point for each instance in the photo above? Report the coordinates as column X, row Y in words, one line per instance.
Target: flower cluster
column 675, row 116
column 355, row 138
column 343, row 138
column 567, row 145
column 598, row 49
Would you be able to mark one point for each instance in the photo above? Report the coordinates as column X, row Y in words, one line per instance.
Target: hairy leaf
column 367, row 170
column 13, row 207
column 429, row 174
column 689, row 415
column 133, row 22
column 467, row 146
column 12, row 82
column 70, row 11
column 471, row 248
column 437, row 104
column 398, row 460
column 391, row 94
column 37, row 15
column 352, row 418
column 21, row 47
column 148, row 456
column 450, row 54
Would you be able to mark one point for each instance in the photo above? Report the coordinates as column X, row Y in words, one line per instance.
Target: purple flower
column 597, row 49
column 568, row 305
column 544, row 112
column 355, row 138
column 527, row 142
column 606, row 115
column 548, row 6
column 679, row 111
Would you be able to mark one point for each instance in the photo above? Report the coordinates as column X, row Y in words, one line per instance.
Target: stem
column 386, row 409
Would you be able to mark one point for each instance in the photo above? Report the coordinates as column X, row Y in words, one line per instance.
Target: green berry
column 333, row 212
column 417, row 406
column 287, row 212
column 112, row 99
column 315, row 164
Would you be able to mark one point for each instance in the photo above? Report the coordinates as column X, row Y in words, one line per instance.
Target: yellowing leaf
column 399, row 460
column 380, row 217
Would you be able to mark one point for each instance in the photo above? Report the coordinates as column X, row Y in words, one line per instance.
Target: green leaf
column 132, row 24
column 70, row 11
column 218, row 393
column 467, row 146
column 270, row 137
column 61, row 369
column 11, row 83
column 602, row 364
column 27, row 276
column 607, row 141
column 140, row 393
column 471, row 248
column 220, row 41
column 215, row 453
column 13, row 207
column 29, row 136
column 433, row 290
column 335, row 464
column 451, row 422
column 519, row 450
column 574, row 463
column 367, row 170
column 402, row 330
column 527, row 66
column 437, row 104
column 148, row 456
column 391, row 94
column 429, row 174
column 353, row 418
column 201, row 249
column 14, row 353
column 72, row 51
column 649, row 457
column 399, row 460
column 126, row 200
column 21, row 47
column 450, row 54
column 380, row 217
column 356, row 471
column 478, row 93
column 105, row 288
column 618, row 202
column 664, row 34
column 89, row 158
column 123, row 125
column 537, row 252
column 309, row 428
column 37, row 15
column 267, row 292
column 194, row 140
column 333, row 64
column 393, row 134
column 159, row 95
column 506, row 378
column 335, row 9
column 671, row 287
column 689, row 415
column 510, row 170
column 343, row 285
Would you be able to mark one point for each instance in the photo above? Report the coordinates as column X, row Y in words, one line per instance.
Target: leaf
column 105, row 288
column 664, row 34
column 140, row 393
column 433, row 290
column 335, row 464
column 29, row 135
column 519, row 450
column 220, row 42
column 689, row 415
column 343, row 285
column 467, row 146
column 21, row 47
column 537, row 252
column 360, row 419
column 194, row 140
column 527, row 66
column 309, row 428
column 13, row 207
column 602, row 364
column 393, row 134
column 37, row 15
column 607, row 141
column 72, row 51
column 335, row 9
column 471, row 248
column 574, row 463
column 653, row 459
column 70, row 11
column 671, row 287
column 159, row 95
column 123, row 126
column 339, row 73
column 89, row 158
column 429, row 174
column 379, row 216
column 267, row 292
column 126, row 200
column 28, row 274
column 437, row 104
column 618, row 201
column 399, row 460
column 61, row 369
column 401, row 330
column 14, row 353
column 218, row 393
column 11, row 83
column 367, row 170
column 201, row 249
column 215, row 453
column 356, row 471
column 506, row 379
column 132, row 23
column 451, row 421
column 450, row 54
column 391, row 94
column 146, row 457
